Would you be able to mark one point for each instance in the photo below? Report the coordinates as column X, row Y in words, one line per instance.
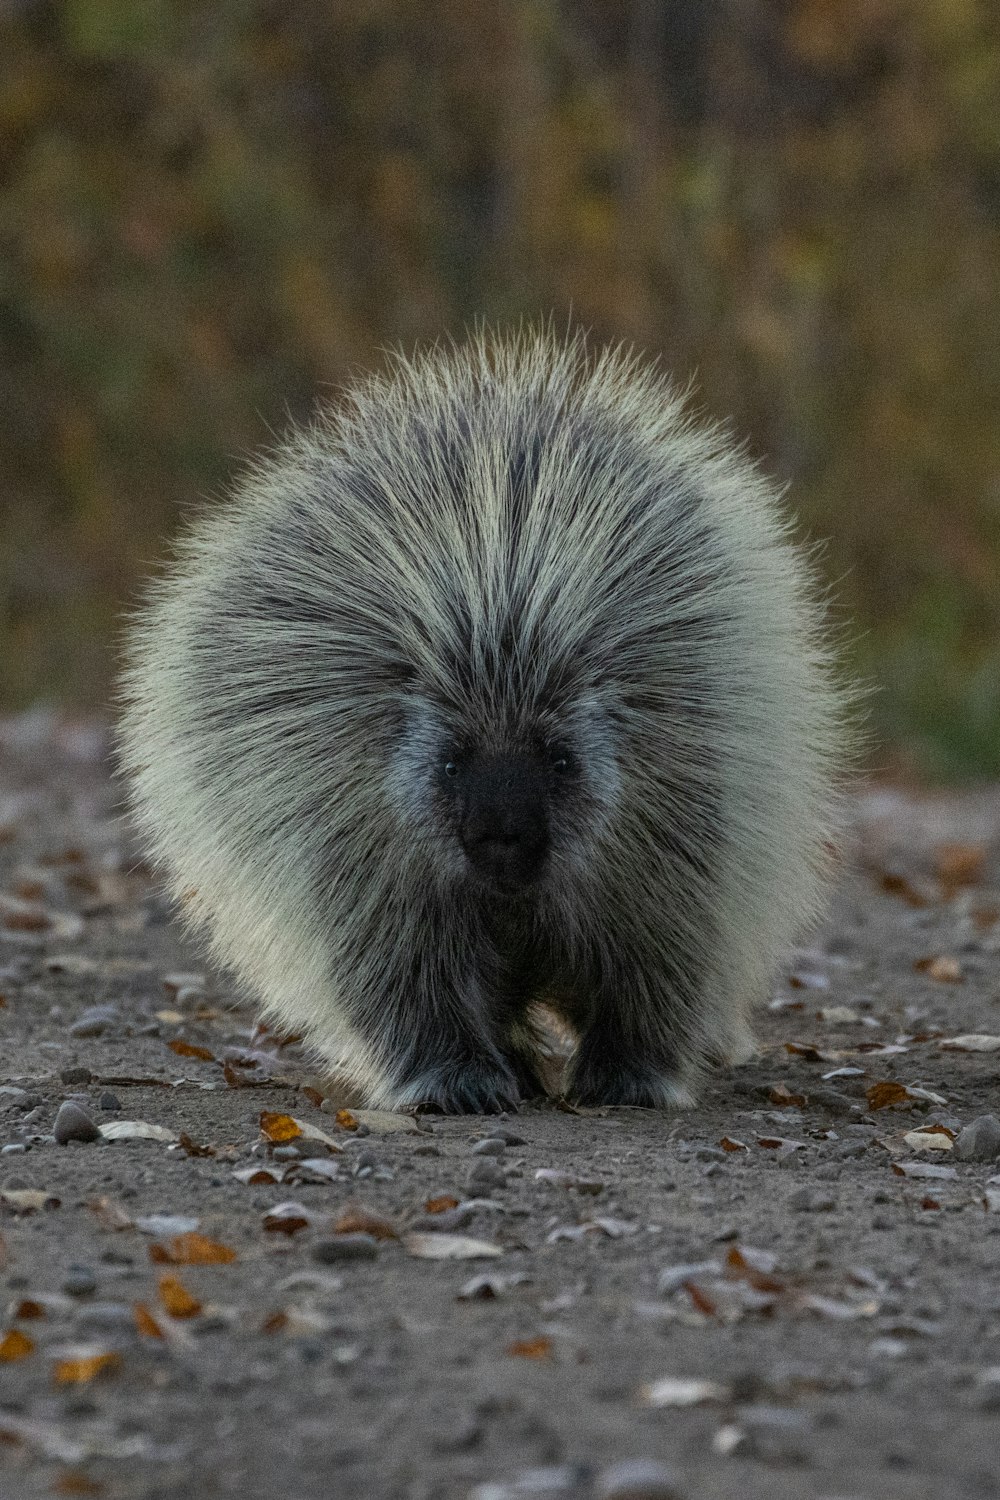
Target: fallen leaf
column 287, row 1218
column 193, row 1148
column 191, row 1250
column 257, row 1176
column 176, row 1298
column 898, row 885
column 538, row 1348
column 781, row 1095
column 932, row 1138
column 728, row 1144
column 160, row 1224
column 753, row 1266
column 435, row 1246
column 279, row 1128
column 275, row 1322
column 75, row 1482
column 974, row 1041
column 701, row 1300
column 346, row 1119
column 189, row 1049
column 922, row 1169
column 84, row 1367
column 929, row 1203
column 15, row 1345
column 959, row 865
column 942, row 967
column 145, row 1321
column 136, row 1130
column 440, row 1205
column 670, row 1391
column 27, row 1200
column 361, row 1221
column 886, row 1094
column 28, row 1308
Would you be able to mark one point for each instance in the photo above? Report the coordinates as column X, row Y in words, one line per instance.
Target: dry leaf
column 361, row 1221
column 109, row 1214
column 932, row 1138
column 287, row 1218
column 346, row 1120
column 176, row 1298
column 755, row 1267
column 28, row 1308
column 887, row 1094
column 942, row 967
column 959, row 865
column 193, row 1148
column 782, row 1096
column 701, row 1300
column 15, row 1345
column 440, row 1205
column 899, row 885
column 75, row 1482
column 539, row 1348
column 279, row 1128
column 974, row 1041
column 145, row 1321
column 673, row 1392
column 256, row 1176
column 728, row 1144
column 191, row 1250
column 83, row 1367
column 27, row 1200
column 189, row 1049
column 136, row 1130
column 434, row 1246
column 922, row 1169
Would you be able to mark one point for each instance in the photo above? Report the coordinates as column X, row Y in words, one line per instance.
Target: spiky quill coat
column 520, row 564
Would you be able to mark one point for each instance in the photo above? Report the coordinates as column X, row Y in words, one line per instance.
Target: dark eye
column 559, row 762
column 451, row 768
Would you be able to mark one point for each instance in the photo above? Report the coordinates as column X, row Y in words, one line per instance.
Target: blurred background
column 212, row 214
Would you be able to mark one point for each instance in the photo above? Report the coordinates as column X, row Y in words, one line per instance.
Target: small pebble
column 638, row 1479
column 491, row 1146
column 485, row 1178
column 79, row 1281
column 345, row 1247
column 110, row 1317
column 979, row 1141
column 110, row 1102
column 75, row 1074
column 95, row 1020
column 12, row 1148
column 74, row 1124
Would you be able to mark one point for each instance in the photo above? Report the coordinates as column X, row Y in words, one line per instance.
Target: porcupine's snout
column 504, row 824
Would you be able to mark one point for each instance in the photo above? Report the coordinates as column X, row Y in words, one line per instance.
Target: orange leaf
column 15, row 1345
column 883, row 1095
column 279, row 1128
column 898, row 885
column 942, row 967
column 79, row 1371
column 233, row 1077
column 959, row 865
column 313, row 1095
column 73, row 1482
column 191, row 1250
column 728, row 1144
column 360, row 1221
column 192, row 1148
column 345, row 1119
column 145, row 1322
column 29, row 1308
column 176, row 1298
column 701, row 1300
column 188, row 1049
column 440, row 1205
column 274, row 1323
column 540, row 1348
column 780, row 1094
column 929, row 1203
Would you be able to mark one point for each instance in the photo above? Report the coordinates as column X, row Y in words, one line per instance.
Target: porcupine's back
column 504, row 529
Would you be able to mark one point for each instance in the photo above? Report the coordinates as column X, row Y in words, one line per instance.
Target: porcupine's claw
column 475, row 1088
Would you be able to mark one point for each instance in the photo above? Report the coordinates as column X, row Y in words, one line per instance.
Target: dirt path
column 758, row 1298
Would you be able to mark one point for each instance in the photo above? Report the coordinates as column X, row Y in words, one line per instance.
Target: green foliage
column 209, row 215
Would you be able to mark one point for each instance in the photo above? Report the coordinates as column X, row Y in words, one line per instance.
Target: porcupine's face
column 506, row 809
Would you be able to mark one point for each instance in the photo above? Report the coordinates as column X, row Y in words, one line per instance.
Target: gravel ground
column 791, row 1291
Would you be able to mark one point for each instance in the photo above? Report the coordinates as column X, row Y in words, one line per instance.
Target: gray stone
column 638, row 1479
column 75, row 1074
column 74, row 1124
column 485, row 1178
column 491, row 1146
column 979, row 1141
column 95, row 1020
column 345, row 1247
column 79, row 1281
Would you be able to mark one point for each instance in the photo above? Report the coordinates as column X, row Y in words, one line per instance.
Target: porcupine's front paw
column 602, row 1077
column 476, row 1087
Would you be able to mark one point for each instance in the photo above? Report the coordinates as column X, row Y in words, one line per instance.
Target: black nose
column 504, row 827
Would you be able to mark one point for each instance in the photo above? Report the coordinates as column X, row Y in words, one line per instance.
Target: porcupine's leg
column 635, row 1042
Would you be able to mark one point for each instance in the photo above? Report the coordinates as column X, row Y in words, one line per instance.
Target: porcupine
column 504, row 682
